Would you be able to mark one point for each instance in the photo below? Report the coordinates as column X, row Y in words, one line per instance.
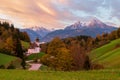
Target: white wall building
column 34, row 48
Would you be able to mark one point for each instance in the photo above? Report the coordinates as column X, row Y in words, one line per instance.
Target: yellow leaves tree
column 58, row 56
column 64, row 59
column 9, row 45
column 54, row 46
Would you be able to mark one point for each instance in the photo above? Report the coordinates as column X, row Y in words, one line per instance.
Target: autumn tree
column 24, row 36
column 80, row 59
column 58, row 56
column 9, row 45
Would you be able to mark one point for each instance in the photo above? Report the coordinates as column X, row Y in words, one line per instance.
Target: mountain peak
column 77, row 25
column 92, row 23
column 78, row 22
column 35, row 28
column 95, row 22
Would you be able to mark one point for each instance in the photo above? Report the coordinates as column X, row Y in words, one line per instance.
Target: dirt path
column 34, row 66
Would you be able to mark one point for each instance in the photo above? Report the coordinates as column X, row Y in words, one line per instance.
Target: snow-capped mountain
column 40, row 30
column 77, row 25
column 96, row 23
column 32, row 34
column 90, row 28
column 36, row 31
column 93, row 23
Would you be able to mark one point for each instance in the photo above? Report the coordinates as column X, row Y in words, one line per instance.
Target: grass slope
column 25, row 44
column 34, row 56
column 107, row 55
column 6, row 59
column 58, row 75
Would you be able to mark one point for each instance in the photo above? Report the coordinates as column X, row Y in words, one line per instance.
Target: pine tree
column 18, row 47
column 12, row 27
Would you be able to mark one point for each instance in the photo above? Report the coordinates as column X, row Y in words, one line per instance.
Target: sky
column 58, row 13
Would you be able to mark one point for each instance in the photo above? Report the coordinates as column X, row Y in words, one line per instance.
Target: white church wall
column 34, row 51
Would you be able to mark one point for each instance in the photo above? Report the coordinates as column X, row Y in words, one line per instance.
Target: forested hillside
column 72, row 53
column 10, row 41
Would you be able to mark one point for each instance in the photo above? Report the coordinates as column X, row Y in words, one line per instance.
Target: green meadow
column 34, row 56
column 5, row 59
column 25, row 44
column 107, row 55
column 57, row 75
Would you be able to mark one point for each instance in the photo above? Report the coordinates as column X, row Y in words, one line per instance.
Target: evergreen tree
column 87, row 63
column 12, row 27
column 18, row 47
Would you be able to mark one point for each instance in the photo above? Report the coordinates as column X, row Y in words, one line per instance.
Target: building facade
column 34, row 48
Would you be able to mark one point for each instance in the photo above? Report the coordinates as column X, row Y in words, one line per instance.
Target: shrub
column 11, row 66
column 2, row 67
column 97, row 66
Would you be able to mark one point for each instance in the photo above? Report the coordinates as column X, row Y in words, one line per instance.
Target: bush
column 2, row 67
column 11, row 66
column 97, row 66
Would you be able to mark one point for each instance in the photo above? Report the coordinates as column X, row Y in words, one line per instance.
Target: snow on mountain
column 40, row 30
column 94, row 23
column 32, row 34
column 36, row 31
column 77, row 25
column 91, row 28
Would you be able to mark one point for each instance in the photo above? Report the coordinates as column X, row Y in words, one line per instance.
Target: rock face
column 90, row 28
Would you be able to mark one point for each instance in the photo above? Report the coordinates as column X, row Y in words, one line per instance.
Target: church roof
column 33, row 45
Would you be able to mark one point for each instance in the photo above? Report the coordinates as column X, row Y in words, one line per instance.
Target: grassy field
column 25, row 44
column 5, row 59
column 107, row 55
column 34, row 56
column 57, row 75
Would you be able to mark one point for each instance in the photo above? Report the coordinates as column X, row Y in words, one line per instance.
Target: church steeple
column 37, row 39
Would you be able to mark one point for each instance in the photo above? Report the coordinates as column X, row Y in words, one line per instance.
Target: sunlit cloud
column 46, row 9
column 58, row 13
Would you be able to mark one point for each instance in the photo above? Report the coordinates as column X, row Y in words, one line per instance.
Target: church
column 34, row 47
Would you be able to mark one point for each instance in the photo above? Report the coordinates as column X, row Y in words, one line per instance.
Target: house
column 34, row 47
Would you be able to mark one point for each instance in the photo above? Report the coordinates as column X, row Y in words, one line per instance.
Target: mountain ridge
column 92, row 28
column 36, row 31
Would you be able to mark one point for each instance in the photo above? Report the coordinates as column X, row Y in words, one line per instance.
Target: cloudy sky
column 58, row 13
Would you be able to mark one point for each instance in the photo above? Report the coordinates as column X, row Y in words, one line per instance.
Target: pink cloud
column 50, row 13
